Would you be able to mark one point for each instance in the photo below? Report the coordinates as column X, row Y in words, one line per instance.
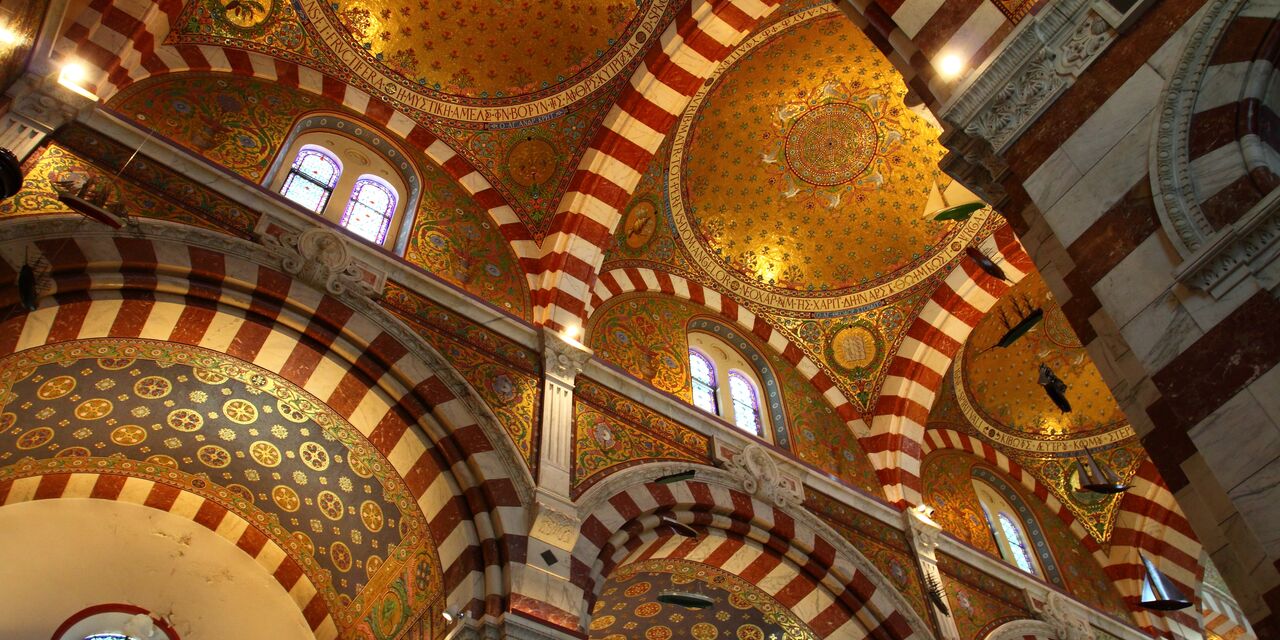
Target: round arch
column 622, row 515
column 174, row 283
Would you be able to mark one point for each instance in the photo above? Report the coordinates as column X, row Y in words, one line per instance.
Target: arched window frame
column 746, row 403
column 706, row 393
column 997, row 495
column 299, row 177
column 355, row 206
column 1017, row 543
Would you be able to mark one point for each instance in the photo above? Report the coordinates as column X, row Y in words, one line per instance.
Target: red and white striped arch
column 361, row 363
column 778, row 577
column 206, row 513
column 619, row 282
column 936, row 439
column 895, row 443
column 1147, row 519
column 702, row 34
column 620, row 516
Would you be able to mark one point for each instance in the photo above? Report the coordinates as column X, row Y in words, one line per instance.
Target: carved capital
column 563, row 359
column 760, row 476
column 1068, row 619
column 321, row 258
column 45, row 103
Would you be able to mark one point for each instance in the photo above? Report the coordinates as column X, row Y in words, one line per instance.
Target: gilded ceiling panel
column 243, row 437
column 628, row 607
column 800, row 175
column 476, row 62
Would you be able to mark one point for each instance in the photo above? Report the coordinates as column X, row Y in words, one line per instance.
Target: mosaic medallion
column 531, row 162
column 831, row 144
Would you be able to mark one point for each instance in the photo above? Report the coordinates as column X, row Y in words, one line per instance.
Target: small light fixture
column 950, row 66
column 9, row 37
column 571, row 332
column 680, row 528
column 685, row 599
column 450, row 615
column 1159, row 593
column 673, row 478
column 72, row 75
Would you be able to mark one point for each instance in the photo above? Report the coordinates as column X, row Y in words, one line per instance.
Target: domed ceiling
column 994, row 392
column 486, row 48
column 802, row 150
column 798, row 174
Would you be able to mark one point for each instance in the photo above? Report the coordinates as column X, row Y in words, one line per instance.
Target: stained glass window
column 746, row 403
column 312, row 178
column 703, row 375
column 370, row 208
column 1013, row 535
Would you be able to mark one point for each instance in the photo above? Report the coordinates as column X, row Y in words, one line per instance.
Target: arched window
column 312, row 178
column 370, row 208
column 703, row 375
column 746, row 403
column 1017, row 545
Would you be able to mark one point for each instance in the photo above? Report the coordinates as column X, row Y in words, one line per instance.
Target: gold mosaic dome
column 486, row 48
column 804, row 148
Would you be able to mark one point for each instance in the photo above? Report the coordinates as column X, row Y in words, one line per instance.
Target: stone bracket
column 763, row 474
column 319, row 256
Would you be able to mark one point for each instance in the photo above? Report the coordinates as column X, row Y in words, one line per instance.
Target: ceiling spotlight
column 679, row 527
column 673, row 478
column 72, row 76
column 9, row 37
column 571, row 332
column 685, row 599
column 951, row 66
column 451, row 615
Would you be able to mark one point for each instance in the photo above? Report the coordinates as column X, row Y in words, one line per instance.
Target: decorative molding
column 1067, row 618
column 320, row 257
column 1245, row 249
column 1041, row 59
column 38, row 106
column 925, row 533
column 1169, row 159
column 758, row 473
column 1021, row 629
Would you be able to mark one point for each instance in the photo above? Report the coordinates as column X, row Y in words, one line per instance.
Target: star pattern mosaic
column 628, row 608
column 221, row 423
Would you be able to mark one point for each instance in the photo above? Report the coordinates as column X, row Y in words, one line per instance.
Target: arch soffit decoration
column 247, row 258
column 369, row 135
column 771, row 388
column 849, row 561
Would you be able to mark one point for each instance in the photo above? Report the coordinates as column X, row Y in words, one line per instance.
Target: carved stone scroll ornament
column 1039, row 62
column 1066, row 618
column 563, row 359
column 760, row 476
column 320, row 258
